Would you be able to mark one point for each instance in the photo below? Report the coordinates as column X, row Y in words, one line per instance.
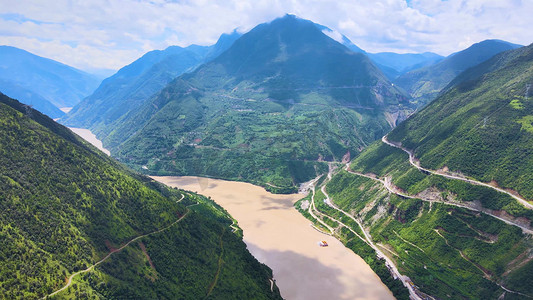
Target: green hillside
column 283, row 99
column 482, row 126
column 135, row 83
column 132, row 84
column 452, row 238
column 447, row 251
column 425, row 84
column 66, row 206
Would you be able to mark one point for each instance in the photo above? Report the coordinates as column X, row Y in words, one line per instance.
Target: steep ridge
column 62, row 85
column 452, row 237
column 425, row 84
column 283, row 98
column 480, row 127
column 132, row 85
column 67, row 207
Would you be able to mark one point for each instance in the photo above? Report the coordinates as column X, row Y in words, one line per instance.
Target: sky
column 109, row 34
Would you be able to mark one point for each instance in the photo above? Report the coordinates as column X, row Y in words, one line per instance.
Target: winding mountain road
column 392, row 189
column 368, row 239
column 415, row 163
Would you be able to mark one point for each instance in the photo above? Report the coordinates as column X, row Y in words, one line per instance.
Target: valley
column 278, row 160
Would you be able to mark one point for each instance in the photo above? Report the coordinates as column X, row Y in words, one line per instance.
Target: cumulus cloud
column 110, row 34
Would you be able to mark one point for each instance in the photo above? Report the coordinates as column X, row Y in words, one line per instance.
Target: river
column 279, row 236
column 87, row 135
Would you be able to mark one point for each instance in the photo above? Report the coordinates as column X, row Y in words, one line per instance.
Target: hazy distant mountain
column 482, row 125
column 391, row 64
column 131, row 85
column 30, row 98
column 224, row 42
column 136, row 82
column 425, row 83
column 341, row 38
column 65, row 206
column 282, row 98
column 403, row 63
column 62, row 85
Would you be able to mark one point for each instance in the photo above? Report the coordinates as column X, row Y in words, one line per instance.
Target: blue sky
column 108, row 34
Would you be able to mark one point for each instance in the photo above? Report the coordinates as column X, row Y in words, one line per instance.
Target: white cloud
column 334, row 35
column 111, row 34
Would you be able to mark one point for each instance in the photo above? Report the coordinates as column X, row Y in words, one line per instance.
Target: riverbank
column 87, row 135
column 279, row 236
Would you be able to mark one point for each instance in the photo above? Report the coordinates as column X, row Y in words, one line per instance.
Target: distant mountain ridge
column 136, row 82
column 391, row 64
column 425, row 84
column 395, row 64
column 30, row 98
column 59, row 84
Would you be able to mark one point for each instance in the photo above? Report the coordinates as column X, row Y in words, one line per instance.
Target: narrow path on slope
column 69, row 281
column 414, row 162
column 388, row 185
column 486, row 274
column 368, row 240
column 392, row 189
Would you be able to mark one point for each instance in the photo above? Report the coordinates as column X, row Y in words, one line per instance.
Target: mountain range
column 424, row 84
column 391, row 64
column 280, row 100
column 42, row 82
column 328, row 103
column 133, row 84
column 421, row 164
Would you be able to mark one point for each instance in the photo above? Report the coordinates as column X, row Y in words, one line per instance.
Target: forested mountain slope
column 425, row 83
column 282, row 99
column 62, row 85
column 132, row 85
column 65, row 206
column 453, row 238
column 482, row 126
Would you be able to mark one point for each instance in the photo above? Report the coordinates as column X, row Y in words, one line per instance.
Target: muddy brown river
column 279, row 236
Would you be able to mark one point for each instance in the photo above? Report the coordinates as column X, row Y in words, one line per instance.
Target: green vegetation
column 66, row 205
column 527, row 123
column 478, row 127
column 354, row 243
column 426, row 83
column 297, row 100
column 472, row 128
column 384, row 160
column 446, row 251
